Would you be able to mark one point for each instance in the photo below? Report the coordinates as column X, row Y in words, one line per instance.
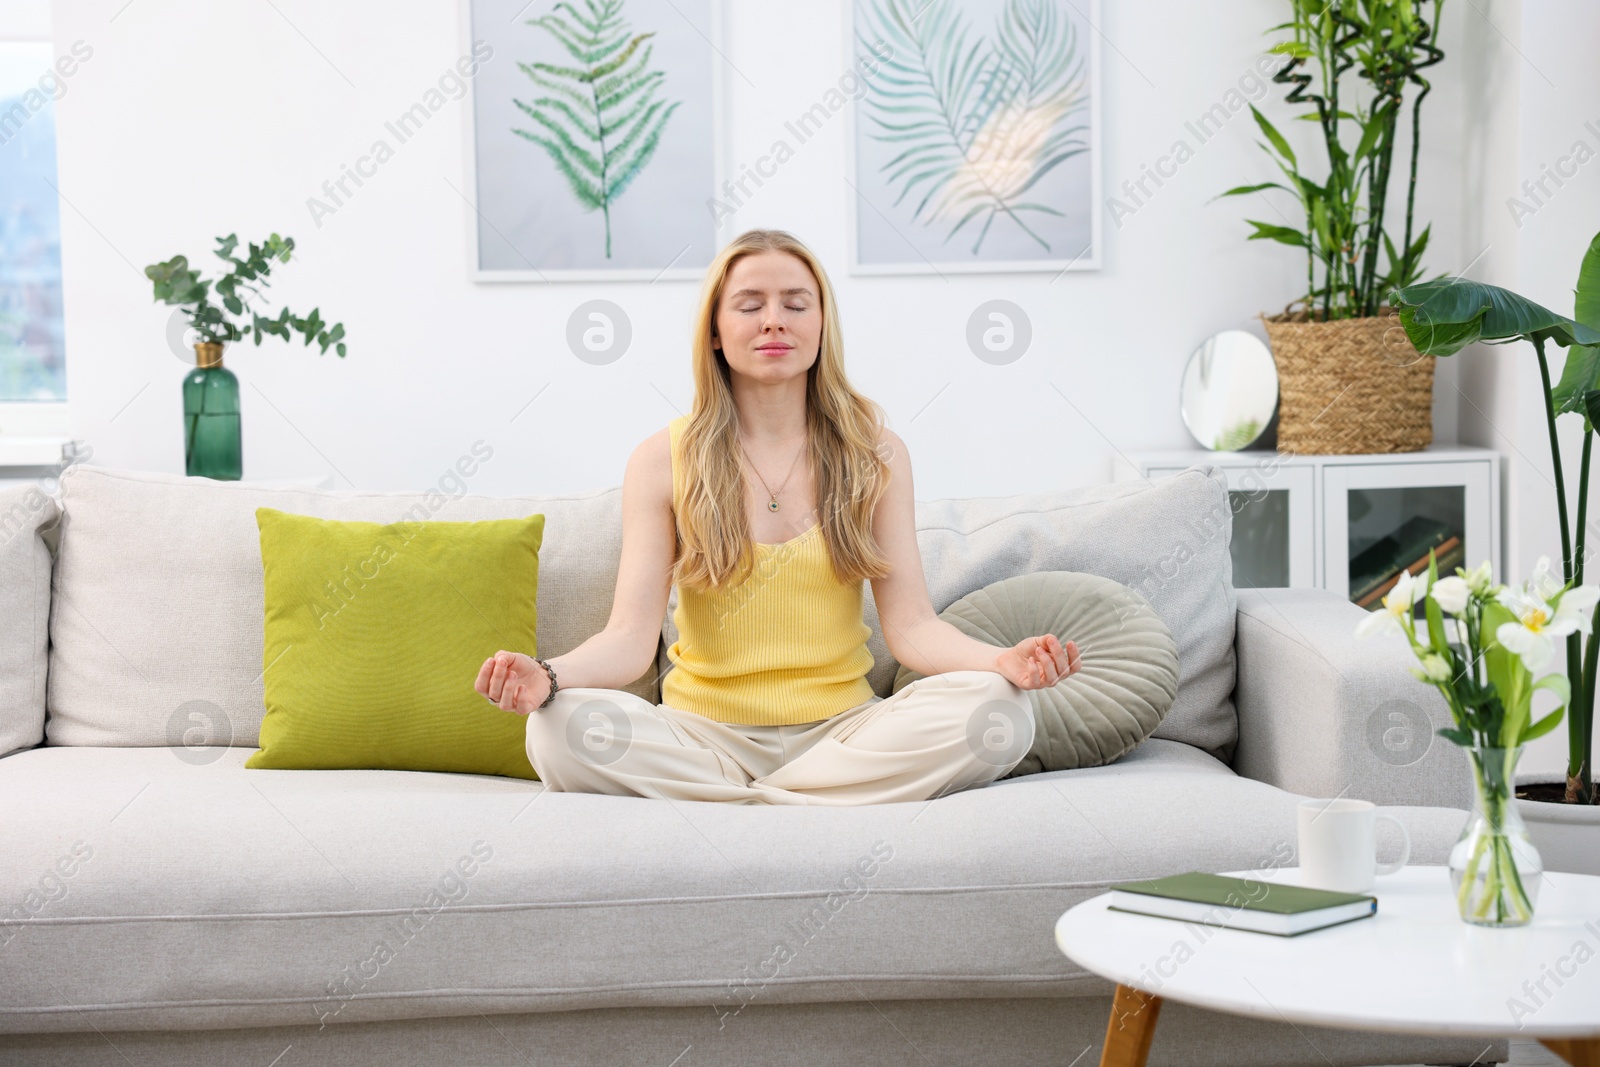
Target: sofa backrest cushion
column 159, row 598
column 1166, row 539
column 25, row 511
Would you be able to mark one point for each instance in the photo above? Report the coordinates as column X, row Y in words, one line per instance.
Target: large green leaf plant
column 1441, row 318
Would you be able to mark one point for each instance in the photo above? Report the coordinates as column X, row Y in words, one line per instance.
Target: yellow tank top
column 787, row 645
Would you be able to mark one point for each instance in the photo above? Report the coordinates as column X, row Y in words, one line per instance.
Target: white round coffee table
column 1413, row 968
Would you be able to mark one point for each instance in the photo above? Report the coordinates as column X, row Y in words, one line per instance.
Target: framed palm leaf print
column 976, row 145
column 593, row 144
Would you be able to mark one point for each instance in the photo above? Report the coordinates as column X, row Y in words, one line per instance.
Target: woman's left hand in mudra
column 1039, row 662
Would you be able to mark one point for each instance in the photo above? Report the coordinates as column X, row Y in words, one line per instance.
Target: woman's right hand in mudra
column 513, row 681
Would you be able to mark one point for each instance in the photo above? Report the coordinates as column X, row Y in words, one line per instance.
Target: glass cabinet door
column 1260, row 546
column 1274, row 524
column 1385, row 519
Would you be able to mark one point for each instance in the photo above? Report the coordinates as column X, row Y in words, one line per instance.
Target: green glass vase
column 211, row 447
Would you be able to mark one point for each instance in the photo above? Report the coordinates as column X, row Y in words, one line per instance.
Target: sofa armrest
column 1322, row 714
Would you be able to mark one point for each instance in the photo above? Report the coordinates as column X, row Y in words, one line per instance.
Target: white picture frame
column 1089, row 258
column 479, row 212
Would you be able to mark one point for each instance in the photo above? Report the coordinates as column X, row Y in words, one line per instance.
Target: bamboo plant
column 1354, row 62
column 1444, row 316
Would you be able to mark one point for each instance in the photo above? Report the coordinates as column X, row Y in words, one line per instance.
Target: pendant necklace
column 772, row 502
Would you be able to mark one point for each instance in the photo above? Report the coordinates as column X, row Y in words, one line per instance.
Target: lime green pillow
column 374, row 637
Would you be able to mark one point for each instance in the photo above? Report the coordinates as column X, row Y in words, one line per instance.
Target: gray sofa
column 162, row 904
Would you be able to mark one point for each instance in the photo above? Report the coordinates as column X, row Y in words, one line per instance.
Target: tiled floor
column 1529, row 1054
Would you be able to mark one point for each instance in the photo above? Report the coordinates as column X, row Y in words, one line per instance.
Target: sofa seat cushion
column 209, row 895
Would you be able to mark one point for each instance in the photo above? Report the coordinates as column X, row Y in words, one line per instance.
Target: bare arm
column 916, row 636
column 626, row 648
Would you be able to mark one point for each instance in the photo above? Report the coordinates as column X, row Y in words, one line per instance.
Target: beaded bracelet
column 551, row 671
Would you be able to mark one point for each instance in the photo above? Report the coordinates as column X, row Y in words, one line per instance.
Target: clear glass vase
column 1494, row 866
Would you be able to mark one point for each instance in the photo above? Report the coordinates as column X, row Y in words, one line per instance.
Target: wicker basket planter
column 1350, row 386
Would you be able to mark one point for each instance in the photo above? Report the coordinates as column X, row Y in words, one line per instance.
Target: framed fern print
column 976, row 146
column 593, row 138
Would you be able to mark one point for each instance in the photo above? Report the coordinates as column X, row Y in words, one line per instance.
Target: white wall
column 195, row 119
column 1537, row 97
column 25, row 20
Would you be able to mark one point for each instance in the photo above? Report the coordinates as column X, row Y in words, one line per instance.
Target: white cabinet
column 1348, row 523
column 1377, row 512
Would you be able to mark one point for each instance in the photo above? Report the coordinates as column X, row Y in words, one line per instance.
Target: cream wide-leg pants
column 940, row 734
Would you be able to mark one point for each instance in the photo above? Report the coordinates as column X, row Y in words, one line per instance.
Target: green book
column 1241, row 903
column 1387, row 556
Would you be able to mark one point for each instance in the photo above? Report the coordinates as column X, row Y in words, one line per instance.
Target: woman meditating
column 767, row 506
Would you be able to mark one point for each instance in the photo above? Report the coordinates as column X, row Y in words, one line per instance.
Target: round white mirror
column 1230, row 391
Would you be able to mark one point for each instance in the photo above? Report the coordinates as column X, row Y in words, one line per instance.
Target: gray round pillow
column 1129, row 673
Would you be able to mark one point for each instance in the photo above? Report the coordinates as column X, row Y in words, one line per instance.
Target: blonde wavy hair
column 843, row 428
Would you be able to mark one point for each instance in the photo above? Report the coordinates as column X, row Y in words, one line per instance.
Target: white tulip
column 1576, row 604
column 1398, row 602
column 1451, row 594
column 1538, row 621
column 1481, row 579
column 1544, row 584
column 1434, row 669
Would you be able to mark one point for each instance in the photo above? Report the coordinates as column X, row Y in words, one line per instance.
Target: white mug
column 1339, row 844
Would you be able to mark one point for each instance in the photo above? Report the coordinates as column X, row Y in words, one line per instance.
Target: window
column 33, row 386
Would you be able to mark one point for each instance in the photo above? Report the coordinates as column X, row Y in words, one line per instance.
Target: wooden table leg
column 1132, row 1027
column 1578, row 1051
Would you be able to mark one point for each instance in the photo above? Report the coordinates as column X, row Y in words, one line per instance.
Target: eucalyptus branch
column 176, row 284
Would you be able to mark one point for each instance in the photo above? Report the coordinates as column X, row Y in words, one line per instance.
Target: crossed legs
column 938, row 735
